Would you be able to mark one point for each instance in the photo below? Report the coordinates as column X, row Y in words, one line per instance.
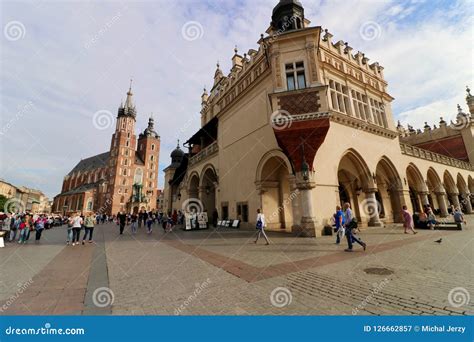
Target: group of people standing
column 149, row 219
column 23, row 225
column 76, row 223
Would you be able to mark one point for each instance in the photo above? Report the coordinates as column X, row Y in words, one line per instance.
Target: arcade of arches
column 376, row 196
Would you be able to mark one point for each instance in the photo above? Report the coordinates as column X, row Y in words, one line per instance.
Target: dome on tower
column 288, row 15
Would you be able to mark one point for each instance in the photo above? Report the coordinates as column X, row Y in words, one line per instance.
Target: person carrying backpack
column 350, row 225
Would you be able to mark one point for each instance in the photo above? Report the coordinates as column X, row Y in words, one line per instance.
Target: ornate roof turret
column 150, row 132
column 218, row 75
column 177, row 156
column 288, row 15
column 129, row 108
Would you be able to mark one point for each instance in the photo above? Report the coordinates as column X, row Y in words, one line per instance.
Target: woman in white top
column 261, row 226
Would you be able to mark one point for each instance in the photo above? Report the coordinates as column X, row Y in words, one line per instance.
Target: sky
column 66, row 65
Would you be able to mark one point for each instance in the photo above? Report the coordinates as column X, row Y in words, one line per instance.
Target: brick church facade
column 125, row 178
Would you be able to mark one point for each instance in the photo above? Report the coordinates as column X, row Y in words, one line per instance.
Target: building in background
column 303, row 124
column 24, row 199
column 125, row 178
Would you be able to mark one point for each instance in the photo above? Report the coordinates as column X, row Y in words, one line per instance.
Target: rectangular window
column 339, row 97
column 295, row 77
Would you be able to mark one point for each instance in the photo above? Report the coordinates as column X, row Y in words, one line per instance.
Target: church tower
column 122, row 156
column 149, row 153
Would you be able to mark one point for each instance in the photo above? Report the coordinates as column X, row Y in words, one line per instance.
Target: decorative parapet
column 417, row 152
column 204, row 154
column 311, row 104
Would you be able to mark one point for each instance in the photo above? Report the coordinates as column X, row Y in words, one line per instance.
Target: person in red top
column 407, row 220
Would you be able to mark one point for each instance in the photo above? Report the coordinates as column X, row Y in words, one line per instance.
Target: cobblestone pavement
column 223, row 272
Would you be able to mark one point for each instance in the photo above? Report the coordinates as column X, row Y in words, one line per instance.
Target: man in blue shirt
column 339, row 218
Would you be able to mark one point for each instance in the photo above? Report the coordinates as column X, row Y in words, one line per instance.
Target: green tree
column 3, row 200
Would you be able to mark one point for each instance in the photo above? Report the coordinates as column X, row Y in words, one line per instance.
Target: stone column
column 370, row 208
column 455, row 200
column 467, row 203
column 308, row 221
column 295, row 203
column 443, row 207
column 424, row 198
column 402, row 197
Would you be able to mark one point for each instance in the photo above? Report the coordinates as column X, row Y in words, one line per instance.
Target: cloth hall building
column 304, row 123
column 122, row 179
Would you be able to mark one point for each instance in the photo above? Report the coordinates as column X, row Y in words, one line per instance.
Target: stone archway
column 358, row 188
column 193, row 186
column 437, row 193
column 273, row 185
column 417, row 188
column 464, row 195
column 452, row 191
column 207, row 189
column 390, row 190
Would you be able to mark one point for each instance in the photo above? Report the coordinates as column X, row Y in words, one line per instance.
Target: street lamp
column 304, row 164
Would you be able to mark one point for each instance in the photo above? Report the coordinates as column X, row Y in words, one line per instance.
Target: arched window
column 89, row 204
column 122, row 199
column 152, row 147
column 138, row 178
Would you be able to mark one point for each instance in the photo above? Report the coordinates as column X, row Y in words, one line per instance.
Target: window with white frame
column 339, row 96
column 378, row 112
column 295, row 78
column 361, row 108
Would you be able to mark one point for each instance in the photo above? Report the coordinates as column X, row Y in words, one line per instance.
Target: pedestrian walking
column 23, row 229
column 88, row 227
column 149, row 223
column 15, row 222
column 134, row 220
column 407, row 220
column 121, row 218
column 76, row 228
column 350, row 225
column 339, row 220
column 39, row 227
column 260, row 226
column 69, row 231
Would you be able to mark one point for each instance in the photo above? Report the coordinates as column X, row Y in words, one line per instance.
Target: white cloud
column 77, row 57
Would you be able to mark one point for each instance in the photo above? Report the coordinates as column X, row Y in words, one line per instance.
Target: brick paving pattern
column 224, row 273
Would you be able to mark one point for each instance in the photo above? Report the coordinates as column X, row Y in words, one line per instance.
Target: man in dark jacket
column 122, row 218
